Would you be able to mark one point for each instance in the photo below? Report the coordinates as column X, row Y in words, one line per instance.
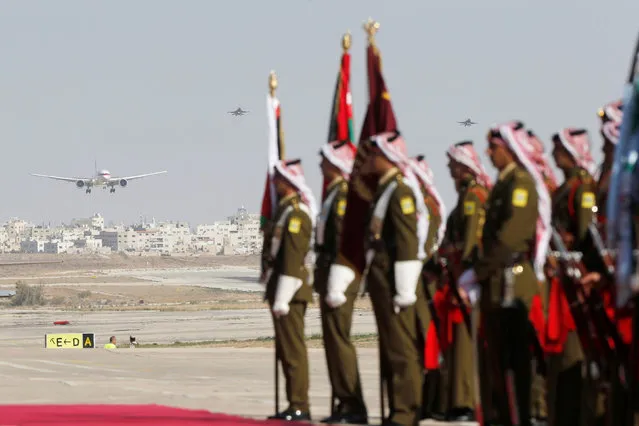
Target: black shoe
column 460, row 414
column 347, row 418
column 440, row 417
column 292, row 415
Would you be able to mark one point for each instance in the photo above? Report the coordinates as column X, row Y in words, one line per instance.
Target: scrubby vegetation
column 28, row 295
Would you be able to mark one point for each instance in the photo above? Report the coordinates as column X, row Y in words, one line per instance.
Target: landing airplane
column 102, row 179
column 467, row 123
column 238, row 111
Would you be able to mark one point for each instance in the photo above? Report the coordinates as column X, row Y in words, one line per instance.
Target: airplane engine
column 79, row 184
column 123, row 182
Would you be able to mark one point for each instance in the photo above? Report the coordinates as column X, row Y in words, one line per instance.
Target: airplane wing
column 66, row 179
column 138, row 176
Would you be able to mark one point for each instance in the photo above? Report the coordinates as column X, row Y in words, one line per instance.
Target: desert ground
column 204, row 334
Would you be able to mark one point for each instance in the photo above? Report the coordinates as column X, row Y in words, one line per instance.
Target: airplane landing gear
column 88, row 191
column 112, row 190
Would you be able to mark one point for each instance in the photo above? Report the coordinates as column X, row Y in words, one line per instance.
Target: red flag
column 341, row 121
column 379, row 118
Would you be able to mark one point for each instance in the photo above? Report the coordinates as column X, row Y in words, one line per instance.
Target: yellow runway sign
column 69, row 341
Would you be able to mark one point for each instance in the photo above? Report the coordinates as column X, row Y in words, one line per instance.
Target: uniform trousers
column 341, row 358
column 401, row 345
column 290, row 346
column 509, row 360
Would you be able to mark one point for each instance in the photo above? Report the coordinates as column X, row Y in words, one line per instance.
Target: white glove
column 286, row 288
column 468, row 282
column 406, row 277
column 339, row 278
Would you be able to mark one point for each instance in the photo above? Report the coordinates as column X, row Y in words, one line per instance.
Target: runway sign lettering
column 69, row 341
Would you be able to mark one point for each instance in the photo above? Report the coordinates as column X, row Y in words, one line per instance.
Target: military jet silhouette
column 238, row 111
column 467, row 123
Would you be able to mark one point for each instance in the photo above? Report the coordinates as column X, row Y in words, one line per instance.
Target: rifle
column 570, row 280
column 438, row 266
column 603, row 323
column 426, row 275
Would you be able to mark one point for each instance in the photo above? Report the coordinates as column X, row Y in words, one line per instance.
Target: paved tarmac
column 229, row 380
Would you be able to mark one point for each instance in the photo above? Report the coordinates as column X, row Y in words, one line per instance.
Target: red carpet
column 100, row 415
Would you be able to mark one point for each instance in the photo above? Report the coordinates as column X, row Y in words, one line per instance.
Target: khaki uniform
column 401, row 335
column 508, row 238
column 463, row 235
column 432, row 379
column 341, row 358
column 539, row 402
column 617, row 405
column 570, row 400
column 295, row 234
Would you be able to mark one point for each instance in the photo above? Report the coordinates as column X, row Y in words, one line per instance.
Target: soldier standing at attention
column 539, row 311
column 461, row 247
column 514, row 243
column 287, row 290
column 436, row 230
column 570, row 396
column 398, row 225
column 336, row 304
column 611, row 116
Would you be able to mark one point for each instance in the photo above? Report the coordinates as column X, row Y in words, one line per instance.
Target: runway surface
column 229, row 380
column 219, row 379
column 27, row 328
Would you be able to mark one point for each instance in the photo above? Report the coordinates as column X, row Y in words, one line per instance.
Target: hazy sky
column 145, row 85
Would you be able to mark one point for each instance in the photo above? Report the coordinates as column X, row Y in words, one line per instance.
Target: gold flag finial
column 346, row 41
column 371, row 27
column 272, row 82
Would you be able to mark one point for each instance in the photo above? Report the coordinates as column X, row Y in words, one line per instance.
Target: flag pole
column 371, row 27
column 272, row 85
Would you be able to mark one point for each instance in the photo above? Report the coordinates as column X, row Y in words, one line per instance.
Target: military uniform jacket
column 395, row 237
column 572, row 207
column 293, row 228
column 509, row 237
column 465, row 224
column 328, row 233
column 602, row 192
column 434, row 221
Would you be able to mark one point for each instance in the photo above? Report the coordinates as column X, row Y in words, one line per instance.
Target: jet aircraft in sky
column 238, row 111
column 467, row 123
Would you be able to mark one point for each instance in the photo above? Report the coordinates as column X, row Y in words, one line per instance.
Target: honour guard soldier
column 287, row 287
column 395, row 253
column 570, row 396
column 436, row 229
column 461, row 248
column 514, row 243
column 538, row 312
column 337, row 305
column 611, row 116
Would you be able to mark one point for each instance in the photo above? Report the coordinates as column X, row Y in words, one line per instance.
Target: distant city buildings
column 239, row 234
